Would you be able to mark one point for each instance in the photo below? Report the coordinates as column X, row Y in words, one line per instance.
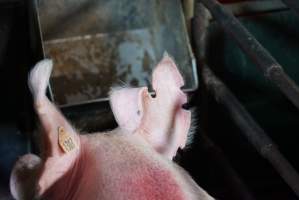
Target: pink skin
column 134, row 161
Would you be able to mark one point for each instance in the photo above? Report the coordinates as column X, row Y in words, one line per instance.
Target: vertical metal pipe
column 252, row 48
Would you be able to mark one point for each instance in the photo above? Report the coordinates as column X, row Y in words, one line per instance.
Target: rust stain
column 84, row 69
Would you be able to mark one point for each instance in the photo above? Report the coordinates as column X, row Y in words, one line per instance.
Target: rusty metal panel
column 99, row 44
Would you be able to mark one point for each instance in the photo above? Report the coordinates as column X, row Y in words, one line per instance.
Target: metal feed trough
column 97, row 44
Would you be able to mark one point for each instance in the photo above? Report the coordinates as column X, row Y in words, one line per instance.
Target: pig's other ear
column 126, row 104
column 39, row 78
column 24, row 176
column 164, row 123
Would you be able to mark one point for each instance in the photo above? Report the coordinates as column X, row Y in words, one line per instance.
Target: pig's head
column 159, row 118
column 151, row 129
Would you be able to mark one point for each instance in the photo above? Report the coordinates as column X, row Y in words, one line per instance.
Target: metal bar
column 250, row 128
column 239, row 188
column 255, row 7
column 11, row 1
column 254, row 133
column 256, row 52
column 292, row 4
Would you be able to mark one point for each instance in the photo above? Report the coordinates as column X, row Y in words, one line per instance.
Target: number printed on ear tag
column 66, row 142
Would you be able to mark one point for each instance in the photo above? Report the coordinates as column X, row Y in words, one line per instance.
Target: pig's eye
column 138, row 112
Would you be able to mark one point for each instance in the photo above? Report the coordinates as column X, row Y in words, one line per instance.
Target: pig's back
column 123, row 167
column 127, row 168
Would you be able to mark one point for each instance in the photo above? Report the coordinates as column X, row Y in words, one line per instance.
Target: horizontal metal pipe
column 254, row 133
column 252, row 48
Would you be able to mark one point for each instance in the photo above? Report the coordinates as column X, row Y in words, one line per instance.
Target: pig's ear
column 23, row 180
column 39, row 78
column 60, row 142
column 165, row 124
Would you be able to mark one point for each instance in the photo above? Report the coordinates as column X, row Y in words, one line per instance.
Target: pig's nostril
column 152, row 91
column 186, row 106
column 153, row 94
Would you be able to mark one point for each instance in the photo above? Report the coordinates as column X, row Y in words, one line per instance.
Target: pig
column 131, row 162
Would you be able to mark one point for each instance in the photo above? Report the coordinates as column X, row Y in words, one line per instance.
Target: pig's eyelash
column 119, row 87
column 122, row 84
column 193, row 127
column 166, row 54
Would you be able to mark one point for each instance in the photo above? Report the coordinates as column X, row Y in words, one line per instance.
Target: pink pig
column 132, row 162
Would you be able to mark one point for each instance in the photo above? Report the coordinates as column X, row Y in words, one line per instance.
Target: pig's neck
column 66, row 187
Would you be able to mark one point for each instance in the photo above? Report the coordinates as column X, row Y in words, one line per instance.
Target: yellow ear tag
column 66, row 142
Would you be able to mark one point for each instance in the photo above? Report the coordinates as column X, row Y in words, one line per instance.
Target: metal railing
column 254, row 50
column 292, row 4
column 269, row 66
